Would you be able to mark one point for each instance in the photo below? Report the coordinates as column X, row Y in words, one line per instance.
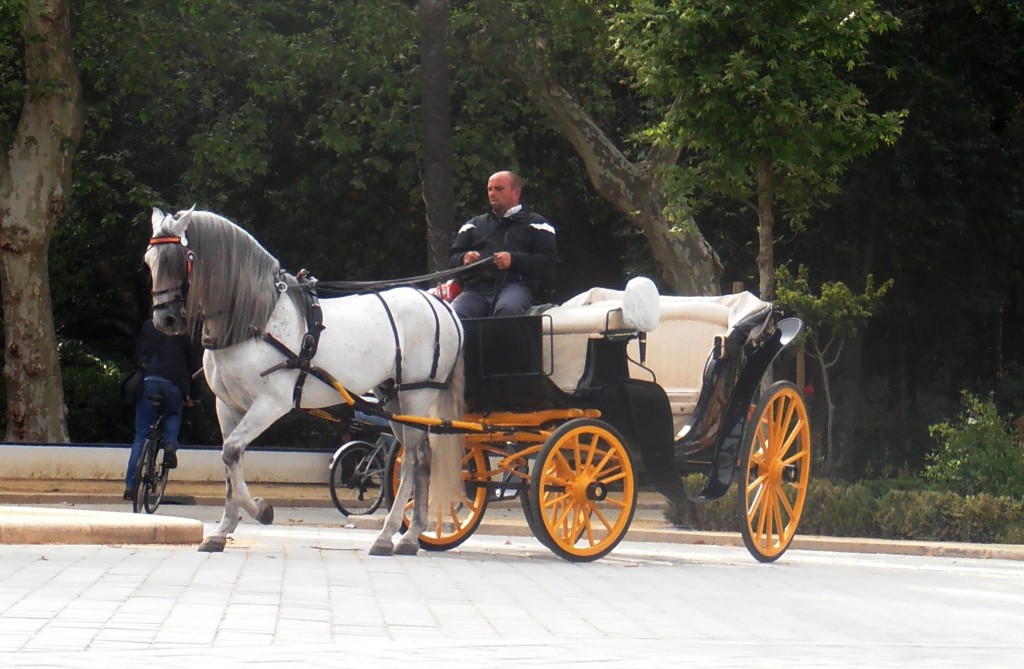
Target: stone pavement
column 312, row 596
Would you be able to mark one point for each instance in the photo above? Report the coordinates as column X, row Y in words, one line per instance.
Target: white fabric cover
column 640, row 306
column 677, row 350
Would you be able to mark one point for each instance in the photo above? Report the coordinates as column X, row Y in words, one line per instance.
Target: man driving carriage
column 522, row 244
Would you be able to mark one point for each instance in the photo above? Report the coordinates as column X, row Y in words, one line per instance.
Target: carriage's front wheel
column 583, row 490
column 775, row 467
column 449, row 527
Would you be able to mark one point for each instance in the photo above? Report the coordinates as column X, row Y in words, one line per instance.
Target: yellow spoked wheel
column 449, row 528
column 583, row 490
column 775, row 466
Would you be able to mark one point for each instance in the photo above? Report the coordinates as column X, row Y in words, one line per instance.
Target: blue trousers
column 145, row 412
column 512, row 299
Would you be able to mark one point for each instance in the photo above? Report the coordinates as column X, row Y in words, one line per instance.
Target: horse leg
column 383, row 544
column 239, row 431
column 409, row 544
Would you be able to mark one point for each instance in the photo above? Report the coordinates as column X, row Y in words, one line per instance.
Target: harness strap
column 437, row 337
column 308, row 348
column 302, row 360
column 398, row 345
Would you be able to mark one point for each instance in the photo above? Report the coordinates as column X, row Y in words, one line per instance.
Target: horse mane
column 232, row 293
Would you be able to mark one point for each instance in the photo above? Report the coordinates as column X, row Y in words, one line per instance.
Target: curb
column 21, row 525
column 28, row 525
column 654, row 532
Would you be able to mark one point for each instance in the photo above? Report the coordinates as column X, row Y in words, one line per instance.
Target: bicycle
column 359, row 470
column 151, row 472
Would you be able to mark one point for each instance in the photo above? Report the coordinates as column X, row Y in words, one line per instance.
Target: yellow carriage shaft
column 506, row 425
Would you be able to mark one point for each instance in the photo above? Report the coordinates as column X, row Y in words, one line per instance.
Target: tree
column 831, row 316
column 436, row 124
column 763, row 108
column 531, row 50
column 36, row 154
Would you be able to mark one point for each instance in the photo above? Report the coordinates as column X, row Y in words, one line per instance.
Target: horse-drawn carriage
column 579, row 406
column 572, row 409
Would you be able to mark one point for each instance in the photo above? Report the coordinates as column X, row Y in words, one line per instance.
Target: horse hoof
column 382, row 548
column 212, row 545
column 407, row 548
column 264, row 512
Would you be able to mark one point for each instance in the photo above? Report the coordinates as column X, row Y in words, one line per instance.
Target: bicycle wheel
column 141, row 474
column 357, row 476
column 154, row 478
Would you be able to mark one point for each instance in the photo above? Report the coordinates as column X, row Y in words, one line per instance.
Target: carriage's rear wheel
column 450, row 527
column 583, row 490
column 775, row 467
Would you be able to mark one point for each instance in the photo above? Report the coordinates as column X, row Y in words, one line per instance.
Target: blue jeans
column 512, row 299
column 145, row 412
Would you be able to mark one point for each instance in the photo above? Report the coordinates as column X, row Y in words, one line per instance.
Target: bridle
column 181, row 291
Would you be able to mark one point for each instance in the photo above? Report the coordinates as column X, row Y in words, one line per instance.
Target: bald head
column 503, row 191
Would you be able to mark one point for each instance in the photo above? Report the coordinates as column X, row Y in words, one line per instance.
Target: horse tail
column 447, row 450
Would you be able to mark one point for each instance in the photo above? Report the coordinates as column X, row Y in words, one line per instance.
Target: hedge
column 858, row 510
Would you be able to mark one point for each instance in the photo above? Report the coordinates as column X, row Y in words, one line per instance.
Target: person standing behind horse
column 522, row 244
column 168, row 363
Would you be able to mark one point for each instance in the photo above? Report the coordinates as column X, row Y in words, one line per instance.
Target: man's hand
column 503, row 260
column 470, row 257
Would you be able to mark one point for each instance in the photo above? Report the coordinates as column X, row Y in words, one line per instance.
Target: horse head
column 170, row 265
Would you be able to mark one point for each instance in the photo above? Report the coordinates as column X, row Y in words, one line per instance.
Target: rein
column 359, row 286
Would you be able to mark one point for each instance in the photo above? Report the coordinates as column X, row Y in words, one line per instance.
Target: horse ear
column 158, row 218
column 182, row 219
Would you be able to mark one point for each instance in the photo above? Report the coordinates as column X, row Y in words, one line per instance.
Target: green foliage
column 978, row 453
column 12, row 89
column 759, row 80
column 92, row 393
column 840, row 510
column 876, row 509
column 946, row 516
column 832, row 309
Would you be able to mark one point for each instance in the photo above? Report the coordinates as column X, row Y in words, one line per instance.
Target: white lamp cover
column 640, row 308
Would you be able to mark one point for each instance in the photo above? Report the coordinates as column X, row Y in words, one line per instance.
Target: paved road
column 300, row 592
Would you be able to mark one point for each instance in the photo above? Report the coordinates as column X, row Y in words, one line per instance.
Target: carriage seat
column 677, row 350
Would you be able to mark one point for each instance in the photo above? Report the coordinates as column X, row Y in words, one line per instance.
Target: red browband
column 165, row 240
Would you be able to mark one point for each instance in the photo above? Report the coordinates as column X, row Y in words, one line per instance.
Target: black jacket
column 171, row 357
column 525, row 234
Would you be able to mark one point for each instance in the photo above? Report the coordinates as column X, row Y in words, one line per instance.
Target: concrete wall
column 108, row 461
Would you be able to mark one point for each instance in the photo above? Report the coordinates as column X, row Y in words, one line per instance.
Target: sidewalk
column 23, row 521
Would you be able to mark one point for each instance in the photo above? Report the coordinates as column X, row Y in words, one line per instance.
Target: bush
column 988, row 519
column 978, row 454
column 92, row 393
column 874, row 509
column 839, row 510
column 716, row 516
column 927, row 516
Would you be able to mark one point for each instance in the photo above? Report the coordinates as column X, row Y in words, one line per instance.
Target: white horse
column 259, row 326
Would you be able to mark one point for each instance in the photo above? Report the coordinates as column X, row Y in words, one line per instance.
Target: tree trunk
column 35, row 175
column 765, row 230
column 438, row 188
